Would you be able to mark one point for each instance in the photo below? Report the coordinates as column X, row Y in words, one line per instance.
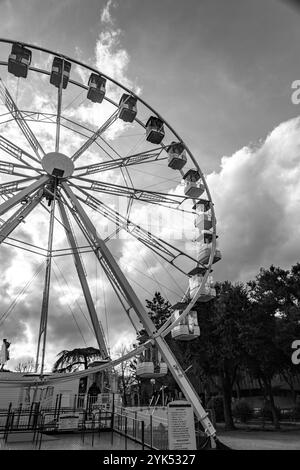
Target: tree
column 271, row 327
column 218, row 350
column 159, row 310
column 25, row 366
column 126, row 373
column 69, row 361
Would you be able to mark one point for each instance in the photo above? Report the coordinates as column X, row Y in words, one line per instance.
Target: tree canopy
column 77, row 358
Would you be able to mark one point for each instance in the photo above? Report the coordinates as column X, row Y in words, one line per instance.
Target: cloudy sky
column 221, row 74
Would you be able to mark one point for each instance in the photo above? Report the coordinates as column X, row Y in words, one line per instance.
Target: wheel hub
column 58, row 165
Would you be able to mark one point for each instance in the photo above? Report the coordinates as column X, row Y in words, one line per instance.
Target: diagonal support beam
column 18, row 217
column 137, row 306
column 18, row 117
column 18, row 153
column 23, row 194
column 98, row 330
column 95, row 136
column 15, row 185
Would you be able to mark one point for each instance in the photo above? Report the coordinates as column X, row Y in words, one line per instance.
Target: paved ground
column 239, row 440
column 261, row 440
column 74, row 442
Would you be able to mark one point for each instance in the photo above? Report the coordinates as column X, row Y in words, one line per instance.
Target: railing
column 149, row 431
column 38, row 421
column 130, row 428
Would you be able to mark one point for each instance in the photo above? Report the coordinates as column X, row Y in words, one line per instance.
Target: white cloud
column 105, row 14
column 257, row 196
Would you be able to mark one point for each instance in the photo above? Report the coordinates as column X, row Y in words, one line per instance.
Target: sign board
column 68, row 421
column 181, row 426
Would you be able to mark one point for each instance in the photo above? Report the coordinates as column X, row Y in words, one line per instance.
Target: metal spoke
column 58, row 114
column 152, row 197
column 12, row 169
column 18, row 117
column 18, row 217
column 95, row 136
column 14, row 186
column 17, row 152
column 164, row 249
column 23, row 194
column 142, row 157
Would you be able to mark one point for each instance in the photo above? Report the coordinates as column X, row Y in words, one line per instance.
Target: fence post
column 59, row 405
column 93, row 429
column 41, row 433
column 112, row 430
column 99, row 422
column 135, row 423
column 151, row 431
column 35, row 418
column 74, row 405
column 6, row 429
column 113, row 411
column 143, row 435
column 30, row 415
column 125, row 432
column 55, row 409
column 19, row 414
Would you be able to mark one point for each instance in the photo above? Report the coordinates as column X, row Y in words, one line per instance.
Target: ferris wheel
column 96, row 161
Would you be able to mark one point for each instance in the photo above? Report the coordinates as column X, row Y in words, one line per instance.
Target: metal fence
column 36, row 421
column 151, row 432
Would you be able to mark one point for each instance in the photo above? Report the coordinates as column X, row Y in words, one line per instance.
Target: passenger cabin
column 204, row 246
column 188, row 329
column 203, row 221
column 150, row 364
column 19, row 60
column 60, row 71
column 177, row 156
column 127, row 108
column 97, row 87
column 202, row 205
column 155, row 130
column 192, row 187
column 196, row 277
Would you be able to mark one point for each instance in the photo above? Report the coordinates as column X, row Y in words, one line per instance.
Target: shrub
column 242, row 411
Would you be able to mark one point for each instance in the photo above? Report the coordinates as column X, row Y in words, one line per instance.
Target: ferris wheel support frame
column 23, row 194
column 12, row 223
column 137, row 306
column 97, row 327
